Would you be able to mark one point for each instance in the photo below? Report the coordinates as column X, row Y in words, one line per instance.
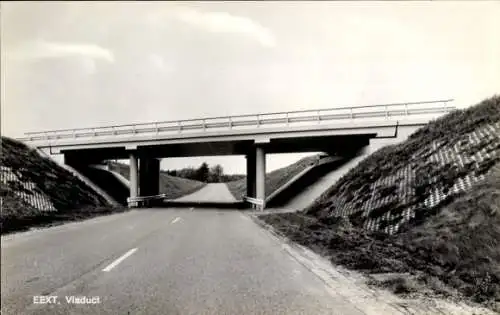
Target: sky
column 80, row 64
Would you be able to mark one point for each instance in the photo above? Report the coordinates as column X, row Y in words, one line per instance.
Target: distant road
column 161, row 261
column 210, row 193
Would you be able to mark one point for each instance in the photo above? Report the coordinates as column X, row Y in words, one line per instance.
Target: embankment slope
column 36, row 191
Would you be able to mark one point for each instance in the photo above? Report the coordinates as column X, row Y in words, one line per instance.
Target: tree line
column 205, row 173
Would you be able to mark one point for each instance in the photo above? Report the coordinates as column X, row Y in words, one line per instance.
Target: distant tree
column 189, row 173
column 203, row 172
column 216, row 173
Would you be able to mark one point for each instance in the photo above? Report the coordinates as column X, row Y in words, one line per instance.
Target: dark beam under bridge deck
column 331, row 144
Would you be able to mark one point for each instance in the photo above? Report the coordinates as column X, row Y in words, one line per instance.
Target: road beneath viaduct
column 161, row 261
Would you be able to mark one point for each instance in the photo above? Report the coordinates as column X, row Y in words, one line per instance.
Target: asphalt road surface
column 160, row 261
column 210, row 193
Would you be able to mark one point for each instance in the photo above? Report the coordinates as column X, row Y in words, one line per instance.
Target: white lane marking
column 175, row 220
column 244, row 216
column 119, row 260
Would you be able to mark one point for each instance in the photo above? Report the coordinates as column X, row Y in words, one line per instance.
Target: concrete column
column 260, row 173
column 133, row 175
column 251, row 170
column 149, row 176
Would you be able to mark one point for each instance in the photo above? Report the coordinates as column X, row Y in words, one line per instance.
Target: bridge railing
column 290, row 118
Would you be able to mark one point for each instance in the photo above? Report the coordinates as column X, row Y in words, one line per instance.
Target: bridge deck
column 245, row 122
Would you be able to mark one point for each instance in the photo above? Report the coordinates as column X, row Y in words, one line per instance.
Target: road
column 161, row 261
column 210, row 193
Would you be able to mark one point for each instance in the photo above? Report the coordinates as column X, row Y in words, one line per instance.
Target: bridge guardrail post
column 256, row 204
column 132, row 202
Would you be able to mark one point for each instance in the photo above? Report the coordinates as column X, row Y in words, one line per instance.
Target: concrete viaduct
column 337, row 131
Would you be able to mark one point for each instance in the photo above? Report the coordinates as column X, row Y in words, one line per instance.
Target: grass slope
column 173, row 187
column 274, row 179
column 35, row 191
column 448, row 240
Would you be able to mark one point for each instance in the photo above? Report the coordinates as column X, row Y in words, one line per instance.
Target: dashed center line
column 176, row 220
column 119, row 260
